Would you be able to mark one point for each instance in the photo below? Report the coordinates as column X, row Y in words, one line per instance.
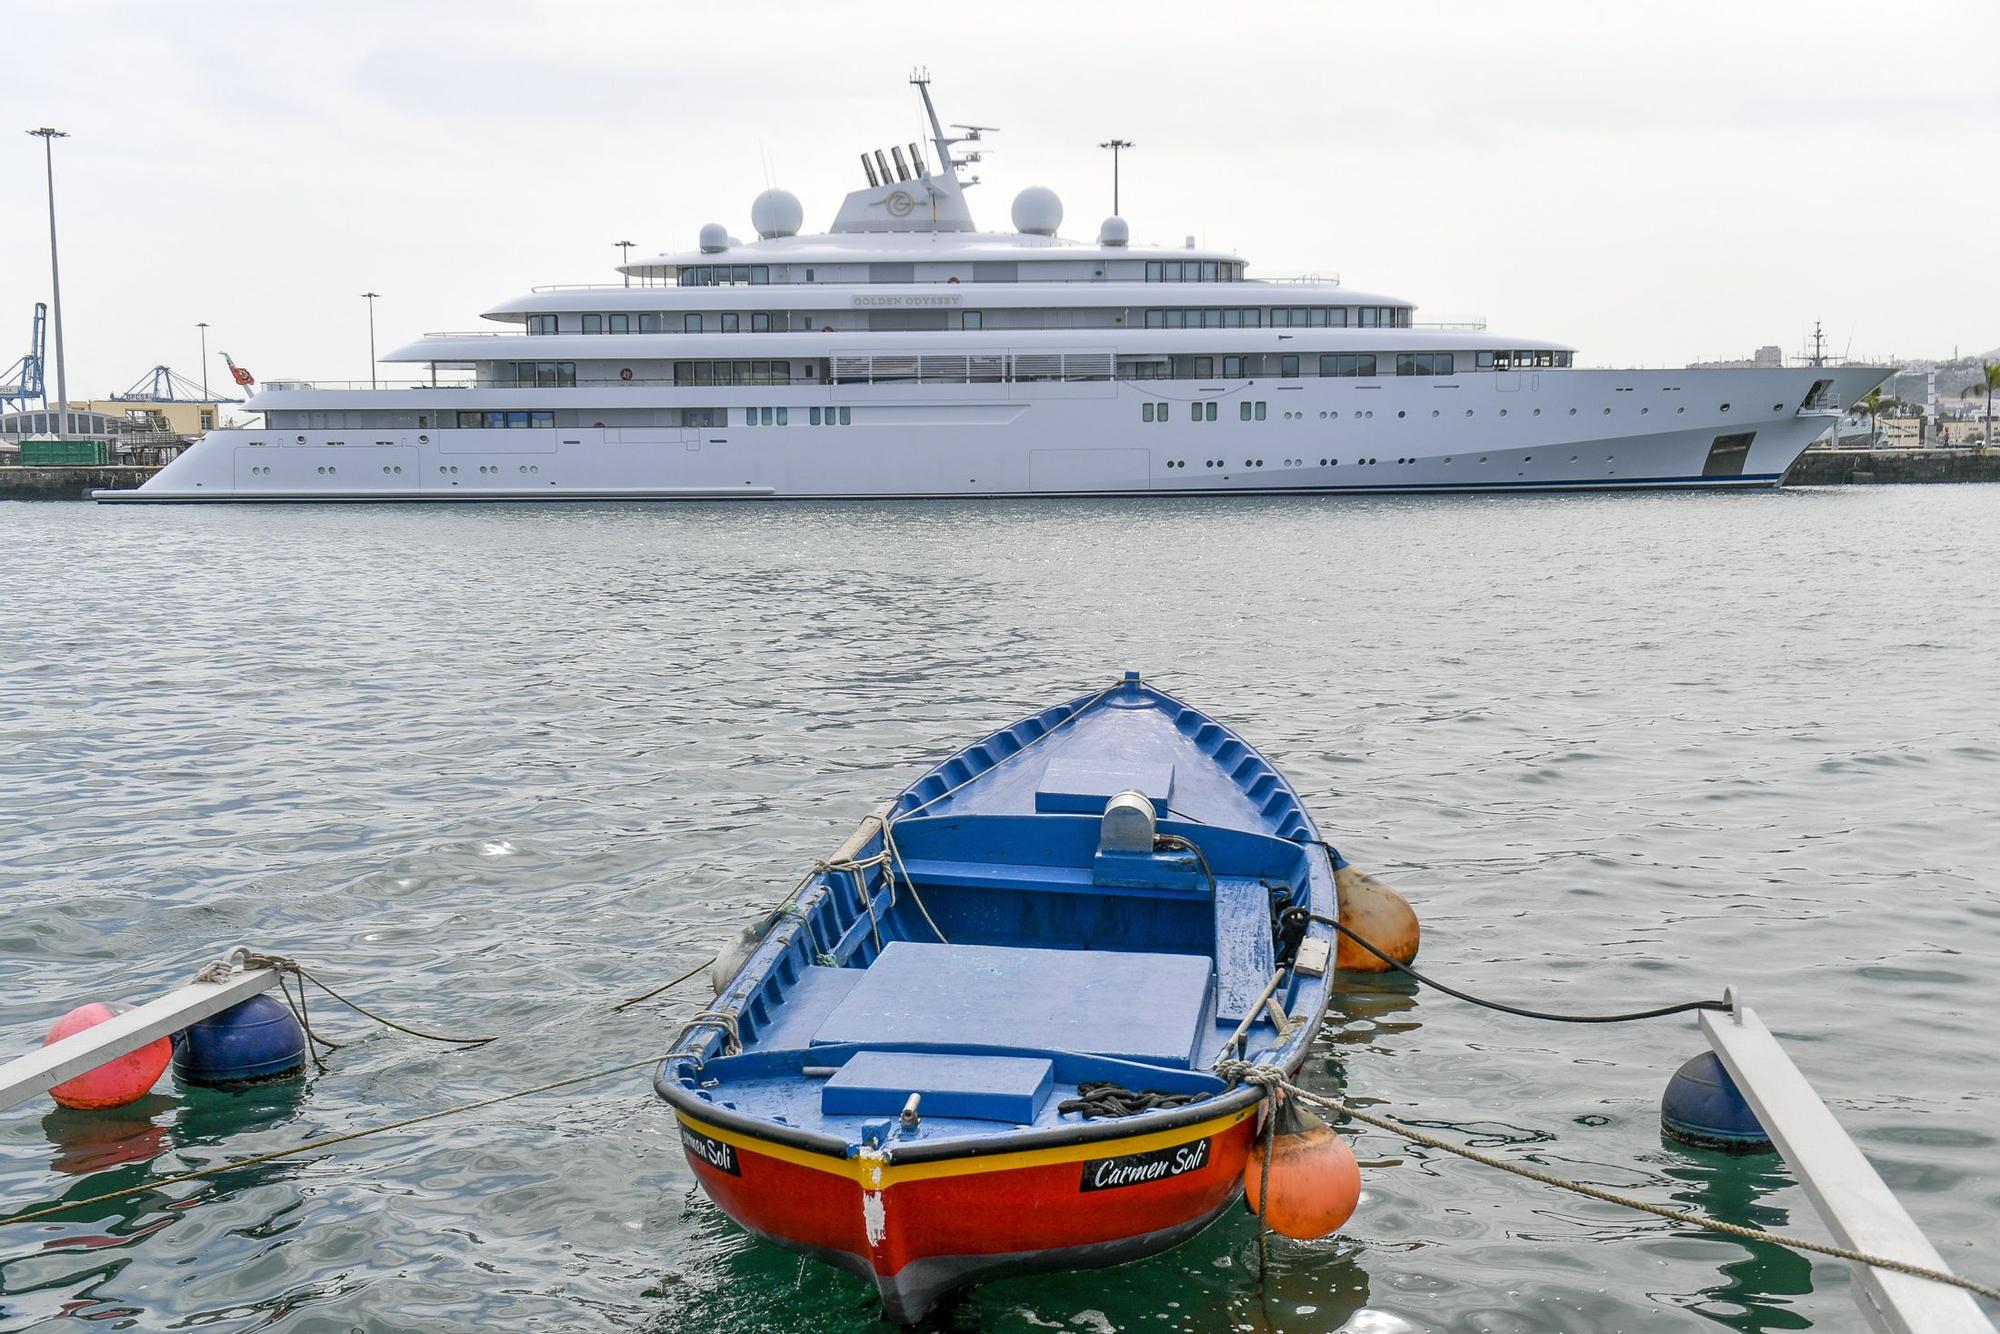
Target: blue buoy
column 1703, row 1107
column 248, row 1043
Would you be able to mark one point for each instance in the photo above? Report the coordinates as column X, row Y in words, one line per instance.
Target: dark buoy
column 249, row 1043
column 1703, row 1107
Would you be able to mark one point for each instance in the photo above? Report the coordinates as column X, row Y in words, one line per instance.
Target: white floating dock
column 1857, row 1207
column 42, row 1070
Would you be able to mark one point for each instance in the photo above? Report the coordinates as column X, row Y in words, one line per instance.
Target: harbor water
column 489, row 769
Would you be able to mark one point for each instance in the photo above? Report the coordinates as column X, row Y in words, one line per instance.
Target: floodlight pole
column 1115, row 145
column 48, row 137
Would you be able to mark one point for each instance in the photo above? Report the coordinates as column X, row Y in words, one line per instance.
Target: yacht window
column 760, row 274
column 704, row 372
column 541, row 324
column 1204, row 368
column 846, row 417
column 1173, row 270
column 1162, row 415
column 1288, row 367
column 1243, row 410
column 760, row 323
column 973, row 319
column 1153, row 270
column 1232, row 368
column 684, row 372
column 1174, row 318
column 809, row 275
column 1424, row 363
column 691, row 323
column 471, row 420
column 1156, row 319
column 1208, row 410
column 1317, row 317
column 784, row 416
column 542, row 419
column 1485, row 361
column 766, row 414
column 649, row 323
column 1368, row 314
column 1208, row 270
column 1260, row 411
column 518, row 420
column 619, row 323
column 1211, row 319
column 1232, row 319
column 812, row 416
column 731, row 323
column 1336, row 317
column 593, row 324
column 749, row 416
column 1145, row 412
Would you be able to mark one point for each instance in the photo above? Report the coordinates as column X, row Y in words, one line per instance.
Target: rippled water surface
column 496, row 767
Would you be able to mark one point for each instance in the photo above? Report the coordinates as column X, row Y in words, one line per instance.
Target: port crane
column 22, row 382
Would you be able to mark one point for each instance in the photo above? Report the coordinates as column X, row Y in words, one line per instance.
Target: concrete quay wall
column 69, row 483
column 1864, row 467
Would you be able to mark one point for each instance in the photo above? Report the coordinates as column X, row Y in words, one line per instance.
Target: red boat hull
column 921, row 1229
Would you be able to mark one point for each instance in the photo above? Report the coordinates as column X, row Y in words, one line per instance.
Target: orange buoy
column 1380, row 916
column 118, row 1081
column 1315, row 1182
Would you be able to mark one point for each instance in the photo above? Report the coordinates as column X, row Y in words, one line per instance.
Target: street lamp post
column 203, row 326
column 48, row 138
column 369, row 297
column 624, row 257
column 1115, row 145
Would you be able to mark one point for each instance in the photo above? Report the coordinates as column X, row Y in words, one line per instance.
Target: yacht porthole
column 1572, row 458
column 1468, row 412
column 1538, row 412
column 1607, row 412
column 1401, row 413
column 1777, row 407
column 1503, row 412
column 302, row 440
column 1679, row 411
column 1725, row 407
column 1482, row 458
column 1434, row 412
column 1572, row 412
column 322, row 472
column 1644, row 411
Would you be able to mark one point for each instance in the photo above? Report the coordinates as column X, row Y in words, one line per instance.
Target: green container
column 63, row 453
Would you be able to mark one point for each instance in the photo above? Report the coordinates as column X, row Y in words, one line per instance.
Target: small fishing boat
column 979, row 1040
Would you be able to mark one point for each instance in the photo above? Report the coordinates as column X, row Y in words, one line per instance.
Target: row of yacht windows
column 1203, row 317
column 1193, row 271
column 1246, row 410
column 1282, row 317
column 813, row 416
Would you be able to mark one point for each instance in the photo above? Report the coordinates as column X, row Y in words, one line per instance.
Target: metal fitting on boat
column 1129, row 823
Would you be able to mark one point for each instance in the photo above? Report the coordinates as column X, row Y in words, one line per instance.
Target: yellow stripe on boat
column 874, row 1173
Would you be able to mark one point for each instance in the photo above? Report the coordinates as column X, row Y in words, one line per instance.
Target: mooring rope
column 1272, row 1078
column 324, row 1142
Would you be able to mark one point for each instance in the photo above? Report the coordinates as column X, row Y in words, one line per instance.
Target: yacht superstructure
column 904, row 353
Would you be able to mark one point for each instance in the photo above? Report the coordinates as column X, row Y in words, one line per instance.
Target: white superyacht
column 905, row 353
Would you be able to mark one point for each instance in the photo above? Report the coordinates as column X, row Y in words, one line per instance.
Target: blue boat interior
column 1010, row 940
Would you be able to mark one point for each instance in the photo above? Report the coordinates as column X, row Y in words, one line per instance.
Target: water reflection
column 1734, row 1188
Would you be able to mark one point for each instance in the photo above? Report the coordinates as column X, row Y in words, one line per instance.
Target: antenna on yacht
column 943, row 142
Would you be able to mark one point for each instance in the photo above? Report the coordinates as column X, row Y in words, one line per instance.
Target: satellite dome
column 777, row 213
column 1114, row 232
column 1037, row 211
column 714, row 237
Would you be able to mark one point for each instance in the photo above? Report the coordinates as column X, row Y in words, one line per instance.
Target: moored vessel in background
column 904, row 353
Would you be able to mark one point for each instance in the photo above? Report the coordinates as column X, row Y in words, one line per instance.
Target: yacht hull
column 1477, row 432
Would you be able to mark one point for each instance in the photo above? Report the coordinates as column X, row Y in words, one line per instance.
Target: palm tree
column 1990, row 375
column 1875, row 404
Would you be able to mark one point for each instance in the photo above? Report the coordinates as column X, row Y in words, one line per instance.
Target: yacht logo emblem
column 899, row 203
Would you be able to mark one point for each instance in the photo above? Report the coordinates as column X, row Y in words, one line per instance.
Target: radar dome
column 1037, row 211
column 714, row 237
column 1114, row 232
column 777, row 213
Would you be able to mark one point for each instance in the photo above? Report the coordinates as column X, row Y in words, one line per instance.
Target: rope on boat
column 1272, row 1079
column 664, row 986
column 1432, row 982
column 324, row 1142
column 1108, row 1098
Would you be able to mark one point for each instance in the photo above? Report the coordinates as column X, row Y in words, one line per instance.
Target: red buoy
column 123, row 1079
column 1315, row 1182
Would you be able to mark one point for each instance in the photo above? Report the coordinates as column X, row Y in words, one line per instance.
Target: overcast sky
column 1653, row 183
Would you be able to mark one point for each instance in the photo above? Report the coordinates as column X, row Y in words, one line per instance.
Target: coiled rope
column 1271, row 1078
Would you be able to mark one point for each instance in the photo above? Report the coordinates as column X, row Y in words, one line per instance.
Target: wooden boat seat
column 1136, row 1007
column 1245, row 957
